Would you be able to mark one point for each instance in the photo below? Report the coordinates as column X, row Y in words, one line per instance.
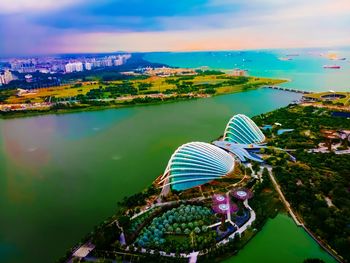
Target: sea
column 304, row 68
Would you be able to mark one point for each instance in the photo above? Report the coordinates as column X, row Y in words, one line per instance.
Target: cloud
column 133, row 15
column 23, row 6
column 109, row 25
column 253, row 37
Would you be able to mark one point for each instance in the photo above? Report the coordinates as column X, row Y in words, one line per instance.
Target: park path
column 326, row 247
column 285, row 202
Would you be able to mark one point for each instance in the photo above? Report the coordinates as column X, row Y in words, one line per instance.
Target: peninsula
column 214, row 197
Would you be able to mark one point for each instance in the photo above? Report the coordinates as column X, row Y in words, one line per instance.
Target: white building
column 44, row 70
column 121, row 59
column 28, row 78
column 72, row 67
column 79, row 66
column 6, row 77
column 69, row 67
column 118, row 61
column 96, row 63
column 88, row 65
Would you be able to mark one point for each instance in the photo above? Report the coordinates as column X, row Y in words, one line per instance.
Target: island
column 214, row 197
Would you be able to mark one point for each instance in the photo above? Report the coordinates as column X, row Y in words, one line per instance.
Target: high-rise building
column 79, row 66
column 2, row 81
column 69, row 67
column 118, row 61
column 96, row 64
column 75, row 66
column 88, row 65
column 6, row 77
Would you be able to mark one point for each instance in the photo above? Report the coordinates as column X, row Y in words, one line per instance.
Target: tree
column 178, row 230
column 197, row 230
column 124, row 221
column 248, row 171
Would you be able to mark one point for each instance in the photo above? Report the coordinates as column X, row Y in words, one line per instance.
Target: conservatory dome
column 241, row 129
column 196, row 163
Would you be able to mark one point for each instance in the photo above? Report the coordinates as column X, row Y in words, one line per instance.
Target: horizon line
column 171, row 51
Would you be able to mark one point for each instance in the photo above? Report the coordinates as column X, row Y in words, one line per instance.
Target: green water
column 280, row 241
column 61, row 175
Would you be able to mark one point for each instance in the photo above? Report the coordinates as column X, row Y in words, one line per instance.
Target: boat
column 285, row 58
column 331, row 66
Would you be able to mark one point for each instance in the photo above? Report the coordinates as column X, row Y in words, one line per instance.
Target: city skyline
column 30, row 27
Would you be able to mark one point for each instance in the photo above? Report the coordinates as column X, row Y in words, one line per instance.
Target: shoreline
column 224, row 255
column 32, row 113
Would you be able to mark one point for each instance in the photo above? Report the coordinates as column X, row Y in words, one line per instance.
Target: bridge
column 289, row 89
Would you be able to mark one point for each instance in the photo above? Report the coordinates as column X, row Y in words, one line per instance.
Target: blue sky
column 52, row 26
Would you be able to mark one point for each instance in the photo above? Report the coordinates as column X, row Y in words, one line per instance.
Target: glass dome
column 196, row 163
column 241, row 129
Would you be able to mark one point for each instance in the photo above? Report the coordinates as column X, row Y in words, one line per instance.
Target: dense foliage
column 265, row 203
column 318, row 184
column 180, row 229
column 306, row 122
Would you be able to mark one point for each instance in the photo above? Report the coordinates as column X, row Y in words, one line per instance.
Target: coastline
column 76, row 108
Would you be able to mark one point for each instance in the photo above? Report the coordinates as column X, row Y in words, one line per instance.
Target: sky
column 31, row 27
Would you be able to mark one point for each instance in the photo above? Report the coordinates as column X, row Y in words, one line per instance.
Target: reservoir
column 60, row 175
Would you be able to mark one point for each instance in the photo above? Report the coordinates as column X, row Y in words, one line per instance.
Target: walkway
column 193, row 257
column 329, row 250
column 285, row 202
column 229, row 219
column 242, row 228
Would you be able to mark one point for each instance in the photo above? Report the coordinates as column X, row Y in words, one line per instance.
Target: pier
column 289, row 89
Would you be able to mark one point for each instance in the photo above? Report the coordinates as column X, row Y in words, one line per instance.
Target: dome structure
column 196, row 163
column 241, row 129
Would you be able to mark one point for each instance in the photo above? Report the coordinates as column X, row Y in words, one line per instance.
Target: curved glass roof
column 196, row 163
column 241, row 129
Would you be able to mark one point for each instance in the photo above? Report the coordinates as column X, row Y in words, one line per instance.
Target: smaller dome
column 241, row 129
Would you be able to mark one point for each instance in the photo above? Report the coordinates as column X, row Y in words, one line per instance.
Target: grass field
column 344, row 99
column 155, row 84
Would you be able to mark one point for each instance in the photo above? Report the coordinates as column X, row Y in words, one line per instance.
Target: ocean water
column 305, row 69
